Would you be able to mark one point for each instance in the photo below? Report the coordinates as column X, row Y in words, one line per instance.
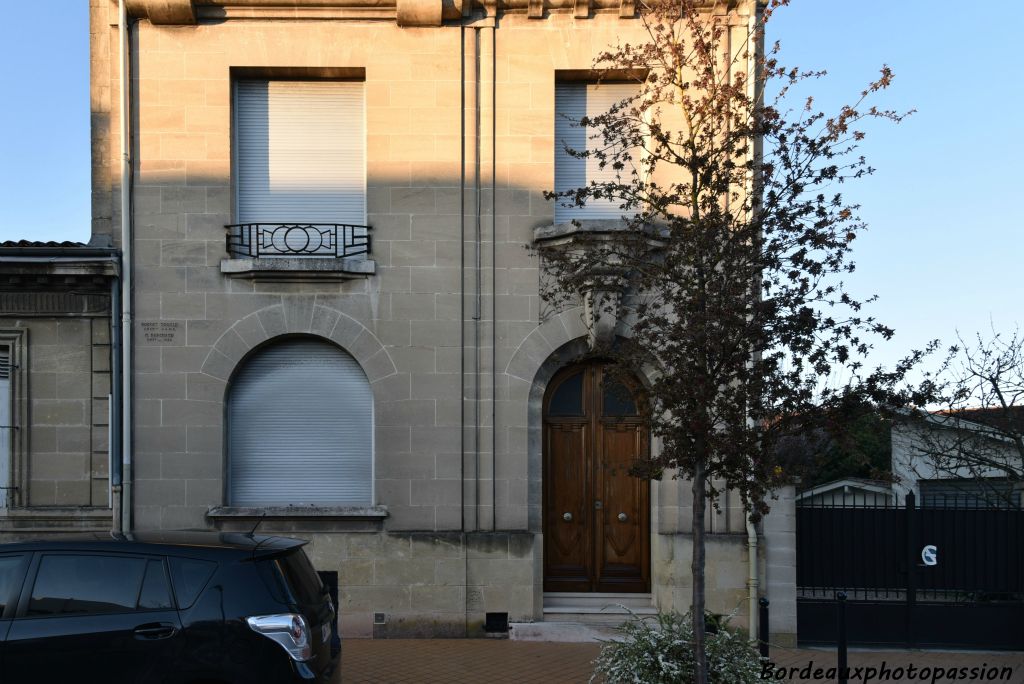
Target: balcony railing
column 272, row 240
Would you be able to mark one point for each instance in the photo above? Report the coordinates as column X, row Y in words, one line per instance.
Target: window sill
column 298, row 268
column 294, row 512
column 567, row 231
column 55, row 519
column 83, row 512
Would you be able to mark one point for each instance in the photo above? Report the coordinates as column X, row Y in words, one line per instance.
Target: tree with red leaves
column 724, row 275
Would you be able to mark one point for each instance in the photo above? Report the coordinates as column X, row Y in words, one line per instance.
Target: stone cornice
column 404, row 12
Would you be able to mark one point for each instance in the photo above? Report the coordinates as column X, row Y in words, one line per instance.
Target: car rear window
column 75, row 585
column 296, row 574
column 189, row 577
column 10, row 579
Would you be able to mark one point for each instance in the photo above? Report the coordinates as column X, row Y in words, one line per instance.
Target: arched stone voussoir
column 324, row 320
column 298, row 313
column 278, row 320
column 273, row 321
column 572, row 319
column 231, row 344
column 363, row 345
column 378, row 366
column 539, row 344
column 251, row 330
column 346, row 330
column 219, row 366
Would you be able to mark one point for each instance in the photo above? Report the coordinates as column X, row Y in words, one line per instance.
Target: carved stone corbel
column 605, row 288
column 167, row 12
column 419, row 12
column 601, row 309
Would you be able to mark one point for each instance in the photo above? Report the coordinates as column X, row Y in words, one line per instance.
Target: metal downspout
column 124, row 79
column 477, row 266
column 752, row 579
column 462, row 328
column 494, row 274
column 115, row 403
column 753, row 52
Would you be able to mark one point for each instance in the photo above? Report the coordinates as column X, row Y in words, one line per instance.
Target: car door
column 94, row 617
column 12, row 572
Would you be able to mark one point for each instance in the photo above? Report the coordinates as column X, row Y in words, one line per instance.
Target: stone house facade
column 55, row 385
column 337, row 331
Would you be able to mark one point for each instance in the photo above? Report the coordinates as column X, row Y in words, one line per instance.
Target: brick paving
column 472, row 661
column 476, row 661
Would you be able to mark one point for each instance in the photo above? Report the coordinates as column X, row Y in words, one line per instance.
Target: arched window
column 300, row 428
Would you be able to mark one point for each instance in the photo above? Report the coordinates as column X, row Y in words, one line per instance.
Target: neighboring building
column 850, row 491
column 55, row 361
column 958, row 460
column 336, row 320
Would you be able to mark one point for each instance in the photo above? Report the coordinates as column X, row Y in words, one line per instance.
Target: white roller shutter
column 300, row 152
column 573, row 101
column 300, row 428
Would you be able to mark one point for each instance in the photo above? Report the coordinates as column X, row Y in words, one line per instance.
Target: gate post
column 911, row 528
column 841, row 636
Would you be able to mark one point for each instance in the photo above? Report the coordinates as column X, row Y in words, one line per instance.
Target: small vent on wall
column 380, row 618
column 496, row 623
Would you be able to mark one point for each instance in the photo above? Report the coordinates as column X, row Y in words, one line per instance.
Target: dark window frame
column 32, row 576
column 9, row 603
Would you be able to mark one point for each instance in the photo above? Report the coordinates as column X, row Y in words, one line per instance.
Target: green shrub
column 660, row 651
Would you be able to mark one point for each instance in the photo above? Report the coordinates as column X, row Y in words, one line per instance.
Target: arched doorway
column 596, row 516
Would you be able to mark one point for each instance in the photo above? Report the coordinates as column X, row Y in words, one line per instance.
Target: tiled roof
column 1010, row 419
column 35, row 244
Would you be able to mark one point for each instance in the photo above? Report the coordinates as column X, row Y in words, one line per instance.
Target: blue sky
column 946, row 237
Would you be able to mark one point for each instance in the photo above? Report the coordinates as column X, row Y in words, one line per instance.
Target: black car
column 164, row 607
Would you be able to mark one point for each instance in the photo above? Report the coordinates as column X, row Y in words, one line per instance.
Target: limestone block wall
column 725, row 574
column 59, row 466
column 420, row 584
column 779, row 577
column 449, row 330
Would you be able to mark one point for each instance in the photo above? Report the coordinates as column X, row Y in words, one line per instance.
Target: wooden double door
column 596, row 515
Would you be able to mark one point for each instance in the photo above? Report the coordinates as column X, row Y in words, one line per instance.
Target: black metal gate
column 914, row 577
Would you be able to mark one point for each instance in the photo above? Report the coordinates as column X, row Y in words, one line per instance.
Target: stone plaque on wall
column 160, row 333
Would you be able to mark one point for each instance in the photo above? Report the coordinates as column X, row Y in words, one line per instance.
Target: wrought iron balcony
column 297, row 240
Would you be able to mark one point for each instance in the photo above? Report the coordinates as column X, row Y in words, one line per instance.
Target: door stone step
column 609, row 618
column 604, row 611
column 601, row 602
column 566, row 632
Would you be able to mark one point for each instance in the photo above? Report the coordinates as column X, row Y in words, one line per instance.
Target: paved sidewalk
column 472, row 661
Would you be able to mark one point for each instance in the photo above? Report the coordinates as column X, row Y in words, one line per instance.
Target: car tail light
column 290, row 630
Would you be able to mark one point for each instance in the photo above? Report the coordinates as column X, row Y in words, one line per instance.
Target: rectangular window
column 969, row 493
column 573, row 101
column 84, row 585
column 11, row 571
column 300, row 152
column 6, row 423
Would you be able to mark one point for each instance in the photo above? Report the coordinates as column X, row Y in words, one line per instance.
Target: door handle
column 567, row 517
column 623, row 517
column 155, row 630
